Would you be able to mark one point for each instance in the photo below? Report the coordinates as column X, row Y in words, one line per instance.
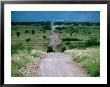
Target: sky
column 75, row 16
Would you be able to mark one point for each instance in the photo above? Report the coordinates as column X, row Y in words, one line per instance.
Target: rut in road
column 60, row 65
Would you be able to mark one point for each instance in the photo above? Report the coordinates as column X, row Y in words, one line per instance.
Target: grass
column 74, row 39
column 21, row 58
column 35, row 39
column 88, row 58
column 78, row 36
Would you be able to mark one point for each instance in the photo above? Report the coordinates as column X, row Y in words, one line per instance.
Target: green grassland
column 72, row 36
column 23, row 57
column 78, row 37
column 88, row 58
column 37, row 40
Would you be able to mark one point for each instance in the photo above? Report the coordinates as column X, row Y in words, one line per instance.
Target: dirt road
column 53, row 65
column 60, row 65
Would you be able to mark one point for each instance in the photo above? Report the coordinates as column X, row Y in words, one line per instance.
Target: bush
column 27, row 31
column 67, row 43
column 28, row 49
column 20, row 60
column 16, row 47
column 17, row 34
column 81, row 56
column 89, row 59
column 63, row 48
column 77, row 44
column 44, row 36
column 92, row 41
column 92, row 67
column 33, row 31
column 36, row 53
column 71, row 39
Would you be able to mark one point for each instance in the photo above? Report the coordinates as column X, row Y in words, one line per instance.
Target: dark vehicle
column 50, row 49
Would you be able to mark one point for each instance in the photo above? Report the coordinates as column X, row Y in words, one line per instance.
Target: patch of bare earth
column 60, row 65
column 53, row 65
column 31, row 69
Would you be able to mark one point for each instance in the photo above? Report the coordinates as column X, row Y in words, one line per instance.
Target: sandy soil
column 53, row 65
column 60, row 65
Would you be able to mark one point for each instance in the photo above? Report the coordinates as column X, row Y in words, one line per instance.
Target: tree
column 33, row 31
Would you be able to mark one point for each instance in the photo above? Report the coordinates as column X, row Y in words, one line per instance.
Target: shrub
column 27, row 31
column 77, row 44
column 63, row 48
column 71, row 39
column 71, row 34
column 67, row 43
column 28, row 40
column 17, row 34
column 33, row 31
column 20, row 60
column 81, row 56
column 28, row 49
column 36, row 53
column 92, row 66
column 92, row 41
column 89, row 59
column 44, row 36
column 16, row 47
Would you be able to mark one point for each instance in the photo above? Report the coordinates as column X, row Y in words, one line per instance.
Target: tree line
column 57, row 23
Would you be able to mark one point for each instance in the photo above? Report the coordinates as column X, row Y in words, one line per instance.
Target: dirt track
column 53, row 65
column 60, row 65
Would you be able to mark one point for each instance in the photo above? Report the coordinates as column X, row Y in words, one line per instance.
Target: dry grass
column 89, row 59
column 20, row 59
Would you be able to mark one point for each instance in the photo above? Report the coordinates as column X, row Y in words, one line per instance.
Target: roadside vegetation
column 21, row 58
column 88, row 59
column 81, row 40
